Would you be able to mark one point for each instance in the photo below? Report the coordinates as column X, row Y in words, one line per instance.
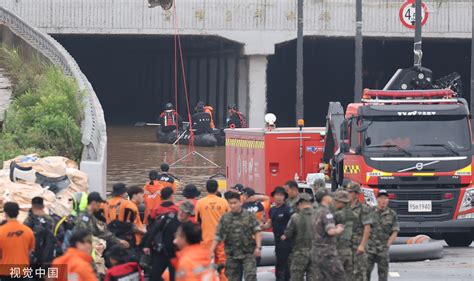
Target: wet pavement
column 457, row 264
column 134, row 151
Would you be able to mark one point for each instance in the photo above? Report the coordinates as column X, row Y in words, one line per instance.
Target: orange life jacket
column 152, row 197
column 209, row 110
column 170, row 118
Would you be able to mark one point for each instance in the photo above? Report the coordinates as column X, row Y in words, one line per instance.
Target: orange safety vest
column 194, row 264
column 152, row 197
column 170, row 117
column 209, row 110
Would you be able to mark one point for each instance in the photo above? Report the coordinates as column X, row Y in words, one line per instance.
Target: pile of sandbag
column 22, row 189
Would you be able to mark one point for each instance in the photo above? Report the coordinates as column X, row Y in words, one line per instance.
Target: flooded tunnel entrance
column 133, row 76
column 329, row 71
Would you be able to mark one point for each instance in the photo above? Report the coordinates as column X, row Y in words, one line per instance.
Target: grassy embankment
column 45, row 114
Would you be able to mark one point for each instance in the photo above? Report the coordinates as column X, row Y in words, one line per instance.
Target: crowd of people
column 317, row 235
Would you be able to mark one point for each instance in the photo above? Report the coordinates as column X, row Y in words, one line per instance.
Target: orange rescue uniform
column 209, row 211
column 209, row 110
column 152, row 197
column 78, row 265
column 194, row 264
column 16, row 242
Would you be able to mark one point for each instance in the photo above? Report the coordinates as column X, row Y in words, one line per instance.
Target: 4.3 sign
column 407, row 14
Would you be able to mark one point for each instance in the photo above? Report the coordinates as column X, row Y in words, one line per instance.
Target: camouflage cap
column 304, row 197
column 353, row 187
column 342, row 196
column 187, row 208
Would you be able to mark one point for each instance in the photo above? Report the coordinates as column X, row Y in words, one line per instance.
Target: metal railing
column 93, row 126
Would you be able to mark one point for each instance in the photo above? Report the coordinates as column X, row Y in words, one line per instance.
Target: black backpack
column 45, row 247
column 165, row 227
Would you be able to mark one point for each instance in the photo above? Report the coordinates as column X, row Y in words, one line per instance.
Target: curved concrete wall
column 15, row 32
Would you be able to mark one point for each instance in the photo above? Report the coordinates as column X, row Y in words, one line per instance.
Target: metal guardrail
column 93, row 126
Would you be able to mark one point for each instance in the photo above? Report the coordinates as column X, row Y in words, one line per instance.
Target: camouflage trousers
column 326, row 268
column 359, row 262
column 345, row 255
column 382, row 261
column 245, row 267
column 300, row 265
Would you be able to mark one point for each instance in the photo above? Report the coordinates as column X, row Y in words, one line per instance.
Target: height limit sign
column 407, row 14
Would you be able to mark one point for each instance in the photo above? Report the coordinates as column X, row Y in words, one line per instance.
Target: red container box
column 264, row 159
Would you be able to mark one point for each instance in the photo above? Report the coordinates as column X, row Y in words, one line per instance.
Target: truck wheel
column 458, row 239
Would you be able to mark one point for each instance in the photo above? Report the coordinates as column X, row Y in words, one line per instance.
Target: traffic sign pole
column 418, row 53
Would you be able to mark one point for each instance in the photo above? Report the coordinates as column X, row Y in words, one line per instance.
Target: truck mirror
column 345, row 130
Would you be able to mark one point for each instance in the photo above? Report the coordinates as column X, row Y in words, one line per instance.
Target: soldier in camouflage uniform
column 299, row 230
column 292, row 189
column 240, row 232
column 360, row 232
column 343, row 215
column 88, row 221
column 326, row 264
column 384, row 231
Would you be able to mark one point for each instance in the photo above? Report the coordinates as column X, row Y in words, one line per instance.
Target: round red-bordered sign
column 407, row 14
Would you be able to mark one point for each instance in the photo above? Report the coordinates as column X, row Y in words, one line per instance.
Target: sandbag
column 22, row 193
column 99, row 245
column 53, row 170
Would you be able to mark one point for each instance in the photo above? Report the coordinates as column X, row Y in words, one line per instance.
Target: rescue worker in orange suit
column 236, row 119
column 170, row 119
column 201, row 121
column 17, row 242
column 207, row 109
column 165, row 178
column 76, row 263
column 209, row 211
column 152, row 196
column 129, row 214
column 194, row 260
column 122, row 268
column 121, row 214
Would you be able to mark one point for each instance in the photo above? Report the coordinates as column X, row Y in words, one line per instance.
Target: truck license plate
column 419, row 206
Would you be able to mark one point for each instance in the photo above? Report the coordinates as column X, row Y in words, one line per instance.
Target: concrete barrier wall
column 230, row 18
column 15, row 32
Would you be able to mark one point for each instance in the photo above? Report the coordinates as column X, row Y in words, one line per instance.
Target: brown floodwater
column 134, row 151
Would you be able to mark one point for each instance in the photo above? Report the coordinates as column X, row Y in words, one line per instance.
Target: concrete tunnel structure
column 218, row 74
column 259, row 36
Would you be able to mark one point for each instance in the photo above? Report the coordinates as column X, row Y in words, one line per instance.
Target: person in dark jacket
column 122, row 267
column 280, row 215
column 201, row 121
column 236, row 119
column 158, row 241
column 43, row 226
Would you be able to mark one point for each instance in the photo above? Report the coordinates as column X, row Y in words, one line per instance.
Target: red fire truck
column 413, row 139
